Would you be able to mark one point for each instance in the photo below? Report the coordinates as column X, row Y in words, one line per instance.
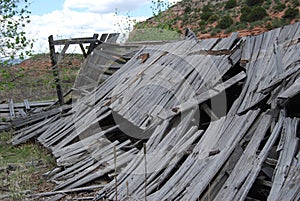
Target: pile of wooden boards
column 10, row 111
column 214, row 119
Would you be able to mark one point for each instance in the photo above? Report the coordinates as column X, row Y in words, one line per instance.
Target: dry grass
column 22, row 169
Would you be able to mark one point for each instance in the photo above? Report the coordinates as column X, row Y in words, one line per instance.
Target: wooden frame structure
column 56, row 58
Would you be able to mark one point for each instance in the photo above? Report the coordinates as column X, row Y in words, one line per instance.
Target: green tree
column 251, row 14
column 225, row 22
column 230, row 4
column 254, row 2
column 158, row 6
column 291, row 13
column 14, row 16
column 206, row 12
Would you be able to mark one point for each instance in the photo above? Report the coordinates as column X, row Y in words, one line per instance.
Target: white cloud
column 78, row 19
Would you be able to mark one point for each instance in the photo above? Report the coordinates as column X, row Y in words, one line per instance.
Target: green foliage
column 291, row 13
column 206, row 12
column 158, row 6
column 230, row 4
column 254, row 2
column 205, row 15
column 241, row 26
column 279, row 7
column 14, row 17
column 251, row 14
column 207, row 8
column 187, row 9
column 295, row 3
column 225, row 22
column 267, row 4
column 213, row 18
column 215, row 31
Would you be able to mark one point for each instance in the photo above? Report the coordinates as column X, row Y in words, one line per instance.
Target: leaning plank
column 291, row 70
column 208, row 157
column 291, row 189
column 290, row 92
column 246, row 170
column 287, row 148
column 103, row 159
column 159, row 146
column 204, row 96
column 26, row 104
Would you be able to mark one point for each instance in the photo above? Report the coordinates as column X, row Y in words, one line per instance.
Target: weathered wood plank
column 287, row 148
column 290, row 92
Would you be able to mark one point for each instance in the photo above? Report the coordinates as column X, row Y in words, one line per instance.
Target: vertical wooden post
column 11, row 108
column 93, row 45
column 55, row 70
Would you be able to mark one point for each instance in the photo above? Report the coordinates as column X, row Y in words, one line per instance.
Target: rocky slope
column 218, row 18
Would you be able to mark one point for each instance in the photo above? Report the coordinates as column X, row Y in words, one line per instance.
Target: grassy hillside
column 33, row 78
column 218, row 18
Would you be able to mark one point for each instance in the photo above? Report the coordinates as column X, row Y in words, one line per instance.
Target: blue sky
column 80, row 18
column 40, row 7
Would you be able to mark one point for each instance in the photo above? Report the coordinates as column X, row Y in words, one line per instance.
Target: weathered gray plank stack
column 11, row 109
column 212, row 114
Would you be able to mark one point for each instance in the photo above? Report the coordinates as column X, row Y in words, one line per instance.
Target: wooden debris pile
column 10, row 111
column 214, row 119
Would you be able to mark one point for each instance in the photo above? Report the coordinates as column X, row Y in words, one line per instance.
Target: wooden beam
column 55, row 70
column 74, row 41
column 83, row 50
column 11, row 108
column 93, row 44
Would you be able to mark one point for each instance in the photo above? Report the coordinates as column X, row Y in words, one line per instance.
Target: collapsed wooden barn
column 213, row 119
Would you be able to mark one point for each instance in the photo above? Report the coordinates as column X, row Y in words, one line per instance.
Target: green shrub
column 215, row 31
column 230, row 30
column 254, row 2
column 245, row 14
column 276, row 23
column 206, row 15
column 291, row 13
column 225, row 22
column 187, row 9
column 253, row 14
column 295, row 3
column 230, row 4
column 241, row 25
column 206, row 8
column 279, row 7
column 213, row 18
